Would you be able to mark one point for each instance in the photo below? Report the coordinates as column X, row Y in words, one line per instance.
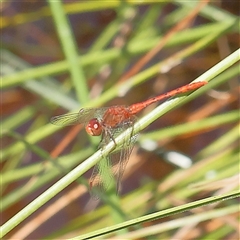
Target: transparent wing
column 111, row 167
column 66, row 119
column 119, row 160
column 83, row 116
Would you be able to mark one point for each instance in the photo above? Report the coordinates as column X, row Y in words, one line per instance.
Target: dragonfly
column 110, row 122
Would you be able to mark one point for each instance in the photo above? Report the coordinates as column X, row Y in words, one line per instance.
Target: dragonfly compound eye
column 93, row 127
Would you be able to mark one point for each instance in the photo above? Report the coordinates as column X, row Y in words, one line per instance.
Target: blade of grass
column 212, row 12
column 228, row 138
column 59, row 67
column 66, row 162
column 177, row 223
column 166, row 213
column 17, row 119
column 44, row 173
column 197, row 172
column 214, row 121
column 46, row 87
column 69, row 49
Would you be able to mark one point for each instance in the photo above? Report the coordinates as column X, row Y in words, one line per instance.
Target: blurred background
column 60, row 57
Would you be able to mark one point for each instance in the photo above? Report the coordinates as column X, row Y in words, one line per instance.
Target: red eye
column 93, row 127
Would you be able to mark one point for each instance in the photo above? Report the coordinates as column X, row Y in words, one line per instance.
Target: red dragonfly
column 109, row 122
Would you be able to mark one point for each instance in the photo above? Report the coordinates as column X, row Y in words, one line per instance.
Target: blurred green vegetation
column 58, row 57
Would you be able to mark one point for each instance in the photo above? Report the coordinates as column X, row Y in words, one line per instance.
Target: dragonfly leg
column 112, row 138
column 107, row 136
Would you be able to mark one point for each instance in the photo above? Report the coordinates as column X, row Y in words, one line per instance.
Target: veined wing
column 83, row 116
column 111, row 168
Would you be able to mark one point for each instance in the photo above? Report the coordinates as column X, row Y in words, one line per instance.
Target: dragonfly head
column 93, row 127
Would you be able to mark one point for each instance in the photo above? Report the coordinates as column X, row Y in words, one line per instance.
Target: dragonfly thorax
column 93, row 127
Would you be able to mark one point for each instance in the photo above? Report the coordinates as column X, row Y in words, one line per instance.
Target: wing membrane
column 83, row 116
column 111, row 167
